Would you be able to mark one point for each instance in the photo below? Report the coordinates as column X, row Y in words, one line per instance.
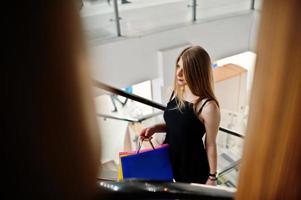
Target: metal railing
column 194, row 13
column 133, row 120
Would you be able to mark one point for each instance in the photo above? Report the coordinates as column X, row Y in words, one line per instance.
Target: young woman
column 192, row 112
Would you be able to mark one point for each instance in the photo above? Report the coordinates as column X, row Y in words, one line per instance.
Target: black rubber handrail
column 145, row 189
column 231, row 132
column 127, row 95
column 142, row 100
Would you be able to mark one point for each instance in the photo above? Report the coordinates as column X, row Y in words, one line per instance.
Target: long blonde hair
column 198, row 75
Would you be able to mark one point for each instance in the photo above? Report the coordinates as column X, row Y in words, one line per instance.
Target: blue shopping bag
column 152, row 165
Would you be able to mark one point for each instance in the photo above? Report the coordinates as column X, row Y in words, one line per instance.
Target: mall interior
column 84, row 77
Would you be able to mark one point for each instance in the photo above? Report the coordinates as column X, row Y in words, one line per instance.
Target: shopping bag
column 126, row 153
column 120, row 175
column 153, row 164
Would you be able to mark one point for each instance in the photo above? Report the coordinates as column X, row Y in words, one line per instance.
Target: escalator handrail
column 143, row 189
column 127, row 95
column 145, row 101
column 231, row 132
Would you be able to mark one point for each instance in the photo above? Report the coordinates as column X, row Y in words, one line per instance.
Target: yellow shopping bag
column 121, row 154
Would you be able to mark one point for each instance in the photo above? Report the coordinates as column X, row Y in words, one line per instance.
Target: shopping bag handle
column 145, row 139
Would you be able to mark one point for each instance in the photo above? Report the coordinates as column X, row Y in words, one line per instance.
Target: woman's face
column 180, row 73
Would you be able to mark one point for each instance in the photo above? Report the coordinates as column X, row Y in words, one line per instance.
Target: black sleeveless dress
column 184, row 132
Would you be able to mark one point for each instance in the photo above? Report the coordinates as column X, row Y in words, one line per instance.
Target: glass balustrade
column 104, row 20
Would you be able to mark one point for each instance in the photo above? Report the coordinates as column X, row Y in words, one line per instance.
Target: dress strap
column 203, row 105
column 172, row 94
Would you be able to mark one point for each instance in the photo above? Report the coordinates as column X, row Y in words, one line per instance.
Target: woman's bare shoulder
column 210, row 110
column 211, row 106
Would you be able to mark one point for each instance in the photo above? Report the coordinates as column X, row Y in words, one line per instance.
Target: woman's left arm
column 211, row 117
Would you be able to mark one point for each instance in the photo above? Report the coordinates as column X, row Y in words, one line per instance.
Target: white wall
column 128, row 61
column 166, row 71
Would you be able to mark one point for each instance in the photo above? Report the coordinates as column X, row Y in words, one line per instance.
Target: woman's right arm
column 148, row 132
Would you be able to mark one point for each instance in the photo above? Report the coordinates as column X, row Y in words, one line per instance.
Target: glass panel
column 119, row 128
column 98, row 20
column 212, row 8
column 229, row 151
column 229, row 178
column 234, row 121
column 142, row 16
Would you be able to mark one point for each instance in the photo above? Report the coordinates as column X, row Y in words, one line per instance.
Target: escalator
column 143, row 189
column 126, row 124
